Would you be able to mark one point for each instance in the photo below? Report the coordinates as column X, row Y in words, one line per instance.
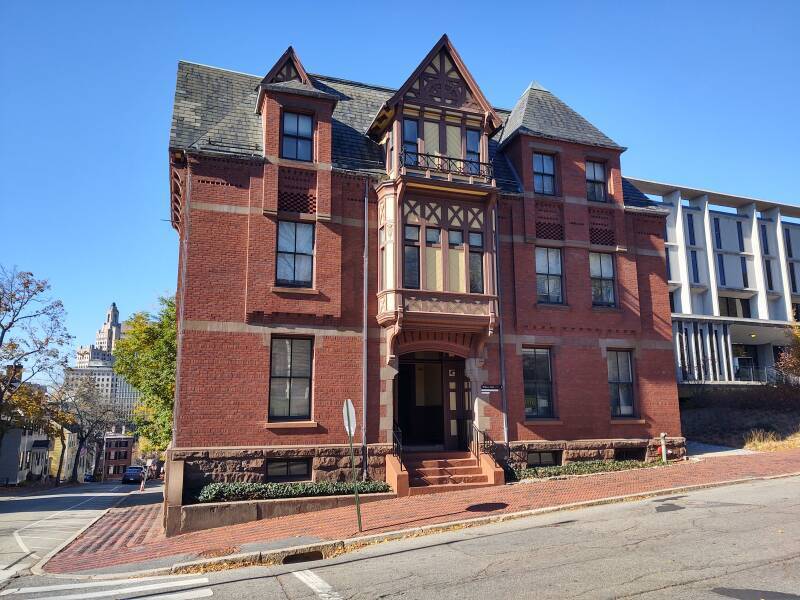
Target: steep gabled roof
column 460, row 70
column 538, row 112
column 289, row 76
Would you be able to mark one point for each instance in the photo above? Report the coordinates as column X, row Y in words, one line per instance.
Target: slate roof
column 538, row 112
column 215, row 111
column 633, row 196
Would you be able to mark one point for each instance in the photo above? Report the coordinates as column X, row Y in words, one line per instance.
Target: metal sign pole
column 349, row 414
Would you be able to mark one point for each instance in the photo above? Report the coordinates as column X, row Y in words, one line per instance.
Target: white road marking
column 177, row 579
column 25, row 548
column 190, row 595
column 130, row 590
column 318, row 585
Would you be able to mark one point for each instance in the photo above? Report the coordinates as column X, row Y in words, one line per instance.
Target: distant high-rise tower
column 96, row 364
column 111, row 330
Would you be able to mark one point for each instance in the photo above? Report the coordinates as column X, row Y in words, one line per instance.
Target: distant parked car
column 133, row 475
column 89, row 478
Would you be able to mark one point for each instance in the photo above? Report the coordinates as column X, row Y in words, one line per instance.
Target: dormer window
column 473, row 151
column 595, row 181
column 544, row 174
column 410, row 144
column 298, row 138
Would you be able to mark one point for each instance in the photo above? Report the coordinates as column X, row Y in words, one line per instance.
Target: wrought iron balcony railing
column 445, row 164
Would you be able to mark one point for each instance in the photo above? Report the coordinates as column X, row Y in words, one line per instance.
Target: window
column 620, row 382
column 382, row 265
column 717, row 234
column 538, row 382
column 764, row 239
column 410, row 144
column 473, row 151
column 411, row 257
column 548, row 276
column 768, row 271
column 793, row 278
column 455, row 237
column 695, row 267
column 290, row 379
column 293, row 469
column 298, row 136
column 595, row 181
column 740, row 235
column 672, row 302
column 721, row 269
column 796, row 311
column 788, row 237
column 433, row 236
column 601, row 270
column 690, row 227
column 745, row 280
column 390, row 152
column 544, row 459
column 734, row 307
column 295, row 254
column 544, row 174
column 475, row 263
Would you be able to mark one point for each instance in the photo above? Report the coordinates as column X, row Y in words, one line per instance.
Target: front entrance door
column 433, row 401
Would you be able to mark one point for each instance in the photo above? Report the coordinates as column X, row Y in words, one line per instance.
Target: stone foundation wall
column 328, row 463
column 582, row 450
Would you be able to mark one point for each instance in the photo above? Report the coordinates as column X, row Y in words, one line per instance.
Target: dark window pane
column 411, row 233
column 433, row 235
column 304, row 126
column 538, row 184
column 289, row 124
column 548, row 185
column 473, row 140
column 289, row 147
column 410, row 131
column 303, row 149
column 304, row 240
column 476, row 272
column 411, row 267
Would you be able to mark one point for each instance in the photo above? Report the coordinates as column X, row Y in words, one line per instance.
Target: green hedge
column 230, row 492
column 582, row 468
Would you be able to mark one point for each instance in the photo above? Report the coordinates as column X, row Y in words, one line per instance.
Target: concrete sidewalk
column 129, row 538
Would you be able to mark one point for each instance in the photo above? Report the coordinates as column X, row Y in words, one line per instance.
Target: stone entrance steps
column 430, row 473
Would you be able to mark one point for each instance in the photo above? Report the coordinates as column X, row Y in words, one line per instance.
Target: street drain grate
column 302, row 557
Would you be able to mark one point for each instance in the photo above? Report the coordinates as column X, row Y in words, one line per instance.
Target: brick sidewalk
column 131, row 536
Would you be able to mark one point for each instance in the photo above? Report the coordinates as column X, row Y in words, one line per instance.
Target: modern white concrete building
column 96, row 363
column 734, row 267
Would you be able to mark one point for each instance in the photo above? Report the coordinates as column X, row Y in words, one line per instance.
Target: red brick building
column 504, row 248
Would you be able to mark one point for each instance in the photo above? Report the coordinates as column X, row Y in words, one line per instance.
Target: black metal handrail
column 445, row 164
column 397, row 443
column 482, row 443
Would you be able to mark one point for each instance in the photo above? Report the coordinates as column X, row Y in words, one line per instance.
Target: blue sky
column 702, row 93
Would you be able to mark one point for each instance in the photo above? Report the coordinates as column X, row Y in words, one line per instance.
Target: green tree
column 146, row 357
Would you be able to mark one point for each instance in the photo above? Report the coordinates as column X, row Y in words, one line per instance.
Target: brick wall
column 231, row 306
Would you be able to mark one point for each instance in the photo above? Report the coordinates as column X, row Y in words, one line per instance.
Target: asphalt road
column 739, row 542
column 33, row 525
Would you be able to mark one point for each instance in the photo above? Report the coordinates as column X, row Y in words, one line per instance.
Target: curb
column 38, row 568
column 333, row 548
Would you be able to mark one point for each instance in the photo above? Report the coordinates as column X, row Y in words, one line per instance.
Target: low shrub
column 582, row 468
column 230, row 492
